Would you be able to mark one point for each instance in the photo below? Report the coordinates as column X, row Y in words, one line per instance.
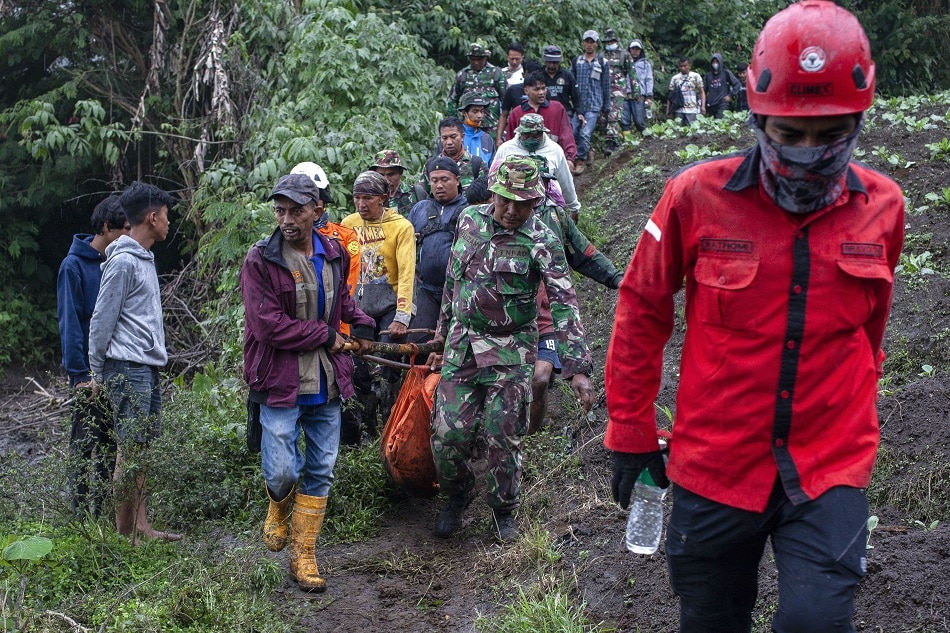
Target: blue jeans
column 583, row 132
column 713, row 553
column 135, row 393
column 281, row 459
column 634, row 110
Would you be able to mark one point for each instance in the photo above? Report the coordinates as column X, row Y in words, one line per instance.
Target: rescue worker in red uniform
column 787, row 253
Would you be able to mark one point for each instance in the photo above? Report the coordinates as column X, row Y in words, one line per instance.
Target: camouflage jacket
column 403, row 200
column 489, row 83
column 491, row 282
column 620, row 67
column 581, row 256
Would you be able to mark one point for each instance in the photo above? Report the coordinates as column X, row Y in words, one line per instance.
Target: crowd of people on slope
column 613, row 89
column 786, row 252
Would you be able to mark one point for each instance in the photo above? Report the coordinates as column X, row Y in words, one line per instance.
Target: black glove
column 628, row 466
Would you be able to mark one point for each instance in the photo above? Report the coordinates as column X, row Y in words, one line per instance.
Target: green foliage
column 26, row 329
column 359, row 497
column 21, row 556
column 549, row 612
column 941, row 198
column 907, row 39
column 939, row 150
column 676, row 28
column 915, row 265
column 88, row 135
column 100, row 579
column 447, row 28
column 341, row 86
column 199, row 468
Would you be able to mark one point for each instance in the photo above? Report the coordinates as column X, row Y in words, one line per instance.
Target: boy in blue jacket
column 77, row 285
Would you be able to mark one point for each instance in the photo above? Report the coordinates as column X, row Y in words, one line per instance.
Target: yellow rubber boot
column 277, row 521
column 306, row 521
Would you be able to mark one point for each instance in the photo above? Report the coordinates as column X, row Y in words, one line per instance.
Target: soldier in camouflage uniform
column 452, row 144
column 581, row 256
column 620, row 66
column 501, row 256
column 401, row 195
column 480, row 77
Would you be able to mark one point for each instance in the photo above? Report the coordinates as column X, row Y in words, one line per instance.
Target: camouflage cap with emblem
column 387, row 158
column 531, row 123
column 470, row 99
column 517, row 178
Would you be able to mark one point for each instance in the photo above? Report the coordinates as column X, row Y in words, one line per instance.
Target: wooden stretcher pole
column 398, row 348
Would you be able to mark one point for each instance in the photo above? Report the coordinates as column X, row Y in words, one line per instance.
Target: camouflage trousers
column 469, row 400
column 613, row 119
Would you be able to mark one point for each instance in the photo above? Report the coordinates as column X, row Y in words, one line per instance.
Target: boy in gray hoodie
column 127, row 345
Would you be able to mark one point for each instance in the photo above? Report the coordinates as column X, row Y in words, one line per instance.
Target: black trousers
column 92, row 448
column 713, row 552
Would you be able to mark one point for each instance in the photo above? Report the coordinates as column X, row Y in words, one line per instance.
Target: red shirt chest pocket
column 853, row 293
column 728, row 293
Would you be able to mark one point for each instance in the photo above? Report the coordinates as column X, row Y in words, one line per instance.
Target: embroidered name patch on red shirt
column 862, row 249
column 712, row 245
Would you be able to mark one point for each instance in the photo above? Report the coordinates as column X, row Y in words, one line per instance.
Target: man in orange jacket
column 787, row 251
column 345, row 236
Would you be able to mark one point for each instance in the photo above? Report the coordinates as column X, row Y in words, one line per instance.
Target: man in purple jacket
column 295, row 297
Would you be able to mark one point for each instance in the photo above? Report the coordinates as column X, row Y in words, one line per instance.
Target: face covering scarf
column 531, row 144
column 804, row 179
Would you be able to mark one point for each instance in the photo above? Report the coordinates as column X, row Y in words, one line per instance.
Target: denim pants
column 634, row 110
column 281, row 458
column 713, row 553
column 583, row 133
column 135, row 393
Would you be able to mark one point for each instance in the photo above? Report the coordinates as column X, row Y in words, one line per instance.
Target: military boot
column 451, row 516
column 305, row 524
column 276, row 522
column 507, row 528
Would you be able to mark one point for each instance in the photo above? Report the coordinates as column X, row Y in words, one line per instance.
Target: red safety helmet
column 811, row 59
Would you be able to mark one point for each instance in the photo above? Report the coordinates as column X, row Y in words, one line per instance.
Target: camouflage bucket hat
column 387, row 158
column 517, row 178
column 477, row 49
column 531, row 123
column 470, row 99
column 610, row 35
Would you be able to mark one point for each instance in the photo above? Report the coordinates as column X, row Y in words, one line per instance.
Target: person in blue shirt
column 477, row 141
column 91, row 443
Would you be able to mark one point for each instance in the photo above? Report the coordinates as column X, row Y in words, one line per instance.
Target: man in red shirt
column 553, row 113
column 787, row 251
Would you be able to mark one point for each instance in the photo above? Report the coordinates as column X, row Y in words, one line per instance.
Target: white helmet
column 314, row 171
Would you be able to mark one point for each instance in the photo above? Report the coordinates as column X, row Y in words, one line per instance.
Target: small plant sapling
column 872, row 523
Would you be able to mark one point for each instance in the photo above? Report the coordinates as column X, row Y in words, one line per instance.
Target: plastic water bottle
column 645, row 524
column 649, row 113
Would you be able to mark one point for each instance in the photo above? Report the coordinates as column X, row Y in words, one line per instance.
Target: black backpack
column 435, row 225
column 677, row 102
